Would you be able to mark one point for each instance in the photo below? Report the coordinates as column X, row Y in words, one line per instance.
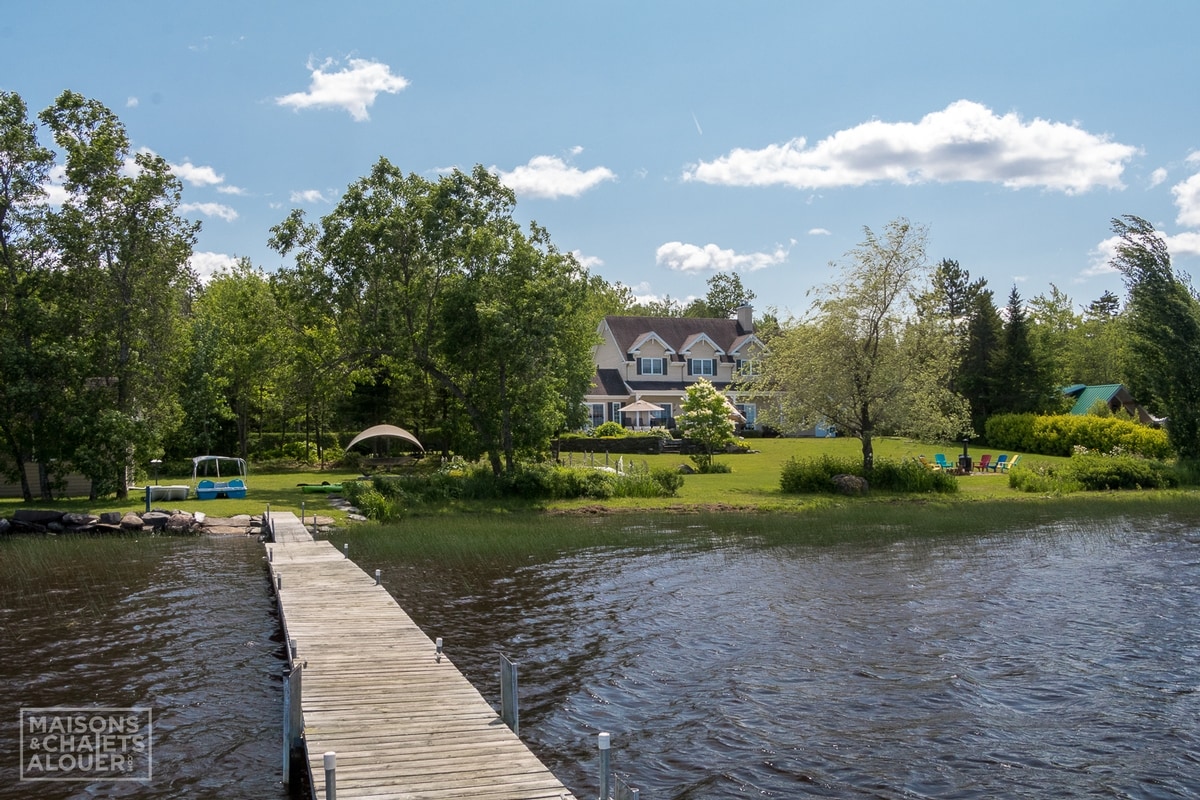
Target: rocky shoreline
column 155, row 521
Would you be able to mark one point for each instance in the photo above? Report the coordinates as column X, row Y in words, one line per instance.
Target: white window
column 747, row 366
column 652, row 366
column 596, row 414
column 749, row 411
column 701, row 366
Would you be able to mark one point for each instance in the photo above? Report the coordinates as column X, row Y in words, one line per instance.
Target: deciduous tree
column 1164, row 323
column 704, row 418
column 864, row 360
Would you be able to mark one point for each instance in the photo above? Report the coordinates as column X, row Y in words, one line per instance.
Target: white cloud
column 230, row 189
column 197, row 176
column 693, row 258
column 56, row 193
column 353, row 88
column 1187, row 199
column 587, row 262
column 965, row 141
column 210, row 210
column 1181, row 244
column 131, row 102
column 820, row 232
column 206, row 264
column 1158, row 176
column 308, row 196
column 1184, row 244
column 551, row 177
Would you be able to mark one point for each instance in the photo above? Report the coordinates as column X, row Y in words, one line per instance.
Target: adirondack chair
column 984, row 460
column 942, row 463
column 1004, row 467
column 925, row 463
column 1000, row 464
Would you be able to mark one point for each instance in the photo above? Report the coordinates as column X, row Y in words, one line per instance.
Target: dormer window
column 702, row 366
column 652, row 366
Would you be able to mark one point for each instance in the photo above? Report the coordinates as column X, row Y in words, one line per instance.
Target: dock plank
column 403, row 723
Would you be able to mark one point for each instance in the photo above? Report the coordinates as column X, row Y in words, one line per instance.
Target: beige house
column 655, row 359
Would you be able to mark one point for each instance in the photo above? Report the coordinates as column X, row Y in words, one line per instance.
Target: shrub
column 1096, row 471
column 1059, row 434
column 816, row 475
column 609, row 429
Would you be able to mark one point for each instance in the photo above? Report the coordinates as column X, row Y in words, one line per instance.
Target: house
column 655, row 359
column 1114, row 395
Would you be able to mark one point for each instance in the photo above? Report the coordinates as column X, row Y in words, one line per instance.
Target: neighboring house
column 1114, row 395
column 655, row 359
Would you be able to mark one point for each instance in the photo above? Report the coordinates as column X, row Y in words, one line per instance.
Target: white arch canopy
column 385, row 430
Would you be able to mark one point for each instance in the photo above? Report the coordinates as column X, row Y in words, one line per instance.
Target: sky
column 663, row 142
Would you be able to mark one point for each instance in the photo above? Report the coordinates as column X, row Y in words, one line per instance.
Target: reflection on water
column 1054, row 663
column 184, row 626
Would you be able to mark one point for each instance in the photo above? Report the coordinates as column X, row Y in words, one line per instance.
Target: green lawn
column 754, row 480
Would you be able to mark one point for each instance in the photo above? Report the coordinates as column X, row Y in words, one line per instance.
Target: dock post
column 345, row 549
column 293, row 723
column 605, row 788
column 508, row 695
column 437, row 649
column 147, row 499
column 330, row 775
column 378, row 575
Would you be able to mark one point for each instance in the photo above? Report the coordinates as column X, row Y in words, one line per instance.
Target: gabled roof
column 674, row 332
column 695, row 338
column 1086, row 396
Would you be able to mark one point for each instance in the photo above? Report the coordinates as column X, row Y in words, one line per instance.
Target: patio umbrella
column 386, row 430
column 638, row 406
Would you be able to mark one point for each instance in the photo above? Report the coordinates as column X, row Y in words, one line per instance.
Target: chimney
column 745, row 318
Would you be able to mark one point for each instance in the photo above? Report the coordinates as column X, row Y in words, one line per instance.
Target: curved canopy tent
column 386, row 430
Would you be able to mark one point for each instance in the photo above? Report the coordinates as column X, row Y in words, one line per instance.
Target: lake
column 1056, row 662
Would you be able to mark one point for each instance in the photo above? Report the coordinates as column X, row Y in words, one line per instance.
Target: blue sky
column 664, row 141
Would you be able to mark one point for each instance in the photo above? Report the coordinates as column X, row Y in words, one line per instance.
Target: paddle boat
column 228, row 487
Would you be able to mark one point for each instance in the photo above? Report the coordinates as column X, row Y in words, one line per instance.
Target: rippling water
column 1056, row 663
column 184, row 626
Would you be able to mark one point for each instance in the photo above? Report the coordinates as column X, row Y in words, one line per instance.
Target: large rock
column 849, row 484
column 131, row 522
column 111, row 518
column 76, row 521
column 36, row 516
column 180, row 522
column 156, row 519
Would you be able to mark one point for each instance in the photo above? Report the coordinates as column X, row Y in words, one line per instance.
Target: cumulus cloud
column 820, row 232
column 1158, row 176
column 682, row 257
column 965, row 141
column 206, row 264
column 210, row 210
column 308, row 196
column 353, row 89
column 551, row 177
column 1187, row 200
column 587, row 262
column 197, row 176
column 131, row 102
column 1101, row 256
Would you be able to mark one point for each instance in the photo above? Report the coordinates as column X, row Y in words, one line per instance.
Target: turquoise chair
column 940, row 458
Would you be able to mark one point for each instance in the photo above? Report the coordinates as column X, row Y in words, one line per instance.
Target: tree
column 864, row 360
column 1021, row 383
column 125, row 251
column 1053, row 324
column 983, row 341
column 1164, row 327
column 726, row 294
column 437, row 277
column 704, row 418
column 1099, row 351
column 28, row 320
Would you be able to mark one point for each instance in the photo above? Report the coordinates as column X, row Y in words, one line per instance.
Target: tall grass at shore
column 518, row 537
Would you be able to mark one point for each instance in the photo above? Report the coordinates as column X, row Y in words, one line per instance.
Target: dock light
column 155, row 463
column 437, row 653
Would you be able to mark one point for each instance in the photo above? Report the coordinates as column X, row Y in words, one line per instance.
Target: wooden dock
column 403, row 723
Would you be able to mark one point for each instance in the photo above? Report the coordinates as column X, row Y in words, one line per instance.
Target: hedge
column 1059, row 434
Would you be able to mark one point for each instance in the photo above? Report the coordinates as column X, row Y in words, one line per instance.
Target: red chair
column 982, row 466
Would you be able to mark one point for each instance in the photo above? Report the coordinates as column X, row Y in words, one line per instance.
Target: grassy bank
column 515, row 538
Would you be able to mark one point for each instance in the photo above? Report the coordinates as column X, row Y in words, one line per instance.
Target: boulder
column 179, row 522
column 131, row 522
column 849, row 484
column 5, row 526
column 110, row 518
column 36, row 516
column 156, row 519
column 76, row 520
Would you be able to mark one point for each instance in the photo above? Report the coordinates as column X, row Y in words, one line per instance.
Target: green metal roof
column 1088, row 397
